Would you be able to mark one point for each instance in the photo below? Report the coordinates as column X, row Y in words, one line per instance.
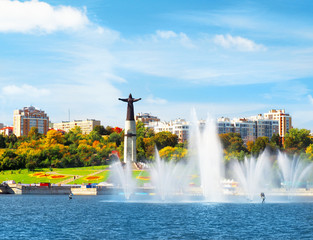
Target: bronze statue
column 130, row 107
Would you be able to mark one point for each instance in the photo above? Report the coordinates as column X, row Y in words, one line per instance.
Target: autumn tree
column 164, row 139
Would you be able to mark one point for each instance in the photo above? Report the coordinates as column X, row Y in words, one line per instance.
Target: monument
column 130, row 130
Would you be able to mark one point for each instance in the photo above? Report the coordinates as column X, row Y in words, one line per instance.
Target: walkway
column 78, row 177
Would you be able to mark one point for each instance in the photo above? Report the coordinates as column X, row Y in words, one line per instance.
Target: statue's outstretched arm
column 123, row 99
column 136, row 100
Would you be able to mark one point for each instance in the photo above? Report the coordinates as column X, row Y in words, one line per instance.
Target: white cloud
column 181, row 37
column 238, row 43
column 155, row 100
column 24, row 90
column 166, row 34
column 36, row 16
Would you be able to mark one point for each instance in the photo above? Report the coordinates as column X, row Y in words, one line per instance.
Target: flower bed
column 92, row 178
column 143, row 178
column 57, row 176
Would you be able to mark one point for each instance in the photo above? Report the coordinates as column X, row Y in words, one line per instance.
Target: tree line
column 104, row 145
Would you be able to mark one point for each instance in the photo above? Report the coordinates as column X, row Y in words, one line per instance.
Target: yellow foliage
column 54, row 137
column 309, row 151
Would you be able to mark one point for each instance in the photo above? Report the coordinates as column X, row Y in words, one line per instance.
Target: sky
column 75, row 58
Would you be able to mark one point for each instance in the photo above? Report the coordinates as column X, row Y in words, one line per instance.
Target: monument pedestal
column 130, row 153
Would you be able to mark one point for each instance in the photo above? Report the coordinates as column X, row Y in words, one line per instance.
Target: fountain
column 292, row 171
column 122, row 178
column 206, row 151
column 169, row 179
column 253, row 175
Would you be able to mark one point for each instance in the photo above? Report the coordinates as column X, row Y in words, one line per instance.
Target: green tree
column 297, row 140
column 232, row 142
column 94, row 136
column 115, row 137
column 103, row 131
column 259, row 145
column 2, row 141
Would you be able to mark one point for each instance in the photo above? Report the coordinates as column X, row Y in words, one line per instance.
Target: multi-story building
column 224, row 125
column 246, row 128
column 1, row 125
column 265, row 127
column 7, row 131
column 28, row 117
column 283, row 118
column 249, row 128
column 179, row 127
column 86, row 126
column 274, row 122
column 146, row 118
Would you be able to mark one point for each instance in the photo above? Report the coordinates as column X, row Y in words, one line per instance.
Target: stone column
column 130, row 153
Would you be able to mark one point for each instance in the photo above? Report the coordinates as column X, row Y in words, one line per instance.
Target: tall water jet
column 122, row 177
column 206, row 147
column 292, row 171
column 253, row 174
column 169, row 178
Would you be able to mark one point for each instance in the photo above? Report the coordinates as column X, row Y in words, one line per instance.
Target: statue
column 130, row 107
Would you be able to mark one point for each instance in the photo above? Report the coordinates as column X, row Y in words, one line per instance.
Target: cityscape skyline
column 225, row 58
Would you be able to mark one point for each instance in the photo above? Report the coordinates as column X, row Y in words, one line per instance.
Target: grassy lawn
column 103, row 178
column 25, row 176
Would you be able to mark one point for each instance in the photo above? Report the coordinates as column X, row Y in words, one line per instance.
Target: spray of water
column 122, row 177
column 293, row 171
column 253, row 175
column 206, row 148
column 169, row 178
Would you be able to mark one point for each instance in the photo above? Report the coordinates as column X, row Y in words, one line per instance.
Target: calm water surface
column 56, row 217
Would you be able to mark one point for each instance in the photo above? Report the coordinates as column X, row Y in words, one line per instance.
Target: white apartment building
column 179, row 127
column 274, row 122
column 86, row 126
column 283, row 118
column 28, row 117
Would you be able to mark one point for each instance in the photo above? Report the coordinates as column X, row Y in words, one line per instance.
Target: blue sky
column 223, row 58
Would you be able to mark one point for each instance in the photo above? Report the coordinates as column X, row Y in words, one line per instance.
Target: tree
column 102, row 131
column 259, row 145
column 232, row 142
column 73, row 136
column 54, row 137
column 164, row 139
column 297, row 140
column 173, row 153
column 94, row 136
column 276, row 141
column 33, row 133
column 115, row 137
column 142, row 131
column 2, row 141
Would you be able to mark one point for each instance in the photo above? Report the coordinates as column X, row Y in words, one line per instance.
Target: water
column 97, row 217
column 253, row 174
column 169, row 178
column 206, row 151
column 122, row 177
column 293, row 172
